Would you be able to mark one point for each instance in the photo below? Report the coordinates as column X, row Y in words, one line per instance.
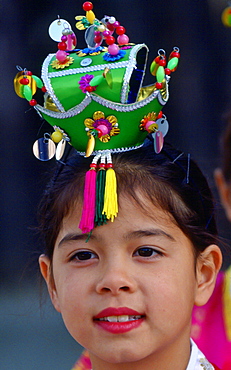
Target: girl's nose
column 116, row 279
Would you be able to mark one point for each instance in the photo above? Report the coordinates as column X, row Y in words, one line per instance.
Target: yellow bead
column 56, row 136
column 90, row 16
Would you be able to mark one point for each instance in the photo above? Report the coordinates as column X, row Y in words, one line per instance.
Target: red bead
column 116, row 24
column 110, row 40
column 29, row 73
column 97, row 39
column 33, row 102
column 102, row 165
column 167, row 71
column 24, row 81
column 62, row 46
column 100, row 134
column 109, row 165
column 162, row 62
column 87, row 6
column 159, row 85
column 175, row 54
column 110, row 27
column 160, row 114
column 93, row 165
column 43, row 89
column 120, row 30
column 157, row 59
column 90, row 88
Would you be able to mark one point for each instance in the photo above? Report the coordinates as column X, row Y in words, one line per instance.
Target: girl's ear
column 224, row 190
column 46, row 271
column 208, row 265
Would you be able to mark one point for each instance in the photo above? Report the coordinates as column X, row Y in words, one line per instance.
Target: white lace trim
column 106, row 103
column 113, row 151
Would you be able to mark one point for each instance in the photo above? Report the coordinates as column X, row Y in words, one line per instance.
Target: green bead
column 172, row 64
column 96, row 80
column 38, row 81
column 160, row 74
column 27, row 92
column 153, row 68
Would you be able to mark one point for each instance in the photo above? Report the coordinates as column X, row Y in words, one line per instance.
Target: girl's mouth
column 118, row 320
column 121, row 318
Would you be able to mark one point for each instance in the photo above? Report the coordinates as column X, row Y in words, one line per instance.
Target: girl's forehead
column 132, row 215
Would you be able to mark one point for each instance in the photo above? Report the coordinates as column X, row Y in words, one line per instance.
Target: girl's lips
column 118, row 320
column 112, row 311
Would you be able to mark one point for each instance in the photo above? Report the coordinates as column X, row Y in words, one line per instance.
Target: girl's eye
column 146, row 252
column 83, row 256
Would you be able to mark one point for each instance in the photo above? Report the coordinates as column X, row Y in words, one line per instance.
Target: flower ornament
column 102, row 127
column 87, row 51
column 84, row 83
column 148, row 123
column 157, row 125
column 62, row 60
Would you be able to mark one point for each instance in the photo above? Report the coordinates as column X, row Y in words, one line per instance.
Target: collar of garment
column 197, row 360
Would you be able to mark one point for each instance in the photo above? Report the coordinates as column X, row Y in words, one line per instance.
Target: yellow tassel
column 110, row 208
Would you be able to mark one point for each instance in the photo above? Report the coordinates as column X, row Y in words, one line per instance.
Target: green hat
column 95, row 100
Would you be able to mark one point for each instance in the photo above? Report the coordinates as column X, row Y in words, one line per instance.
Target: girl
column 126, row 291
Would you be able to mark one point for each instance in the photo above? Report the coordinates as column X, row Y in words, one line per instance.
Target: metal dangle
column 44, row 148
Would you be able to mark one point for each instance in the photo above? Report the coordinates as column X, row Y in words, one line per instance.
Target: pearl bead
column 101, row 28
column 112, row 20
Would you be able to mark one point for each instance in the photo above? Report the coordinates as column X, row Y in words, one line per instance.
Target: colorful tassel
column 100, row 218
column 88, row 214
column 110, row 197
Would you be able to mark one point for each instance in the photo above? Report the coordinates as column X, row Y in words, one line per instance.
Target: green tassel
column 100, row 218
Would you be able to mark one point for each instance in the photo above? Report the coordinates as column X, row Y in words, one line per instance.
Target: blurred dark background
column 200, row 94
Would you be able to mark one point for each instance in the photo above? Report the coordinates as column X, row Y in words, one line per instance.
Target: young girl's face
column 127, row 293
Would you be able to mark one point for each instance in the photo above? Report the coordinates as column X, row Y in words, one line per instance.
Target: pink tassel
column 89, row 198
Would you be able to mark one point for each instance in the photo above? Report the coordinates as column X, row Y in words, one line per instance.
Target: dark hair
column 226, row 149
column 170, row 179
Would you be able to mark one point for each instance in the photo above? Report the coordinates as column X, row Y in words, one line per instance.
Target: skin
column 160, row 282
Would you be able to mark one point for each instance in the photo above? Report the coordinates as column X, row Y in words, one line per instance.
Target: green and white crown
column 94, row 97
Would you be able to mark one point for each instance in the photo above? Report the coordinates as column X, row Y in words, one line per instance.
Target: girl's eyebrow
column 149, row 232
column 74, row 236
column 128, row 236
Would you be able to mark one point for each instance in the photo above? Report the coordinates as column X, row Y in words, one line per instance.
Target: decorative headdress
column 95, row 101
